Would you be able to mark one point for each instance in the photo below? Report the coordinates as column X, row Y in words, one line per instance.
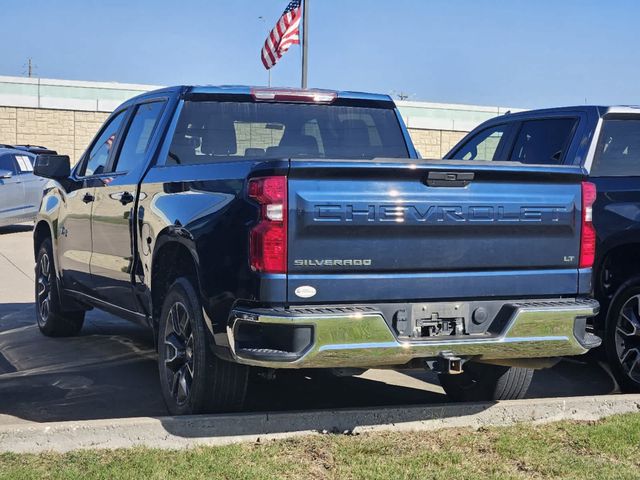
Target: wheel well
column 619, row 265
column 40, row 234
column 171, row 261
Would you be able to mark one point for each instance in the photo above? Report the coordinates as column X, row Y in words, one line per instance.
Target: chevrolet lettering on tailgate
column 422, row 213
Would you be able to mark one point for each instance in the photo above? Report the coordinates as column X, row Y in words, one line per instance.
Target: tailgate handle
column 449, row 179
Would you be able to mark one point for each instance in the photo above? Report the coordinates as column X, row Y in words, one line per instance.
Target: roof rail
column 26, row 145
column 34, row 149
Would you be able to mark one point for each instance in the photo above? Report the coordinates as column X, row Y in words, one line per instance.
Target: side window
column 98, row 156
column 485, row 145
column 543, row 142
column 618, row 151
column 8, row 163
column 136, row 143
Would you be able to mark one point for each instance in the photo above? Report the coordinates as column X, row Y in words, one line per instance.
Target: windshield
column 210, row 131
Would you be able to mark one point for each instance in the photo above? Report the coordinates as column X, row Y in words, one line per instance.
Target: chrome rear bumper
column 362, row 338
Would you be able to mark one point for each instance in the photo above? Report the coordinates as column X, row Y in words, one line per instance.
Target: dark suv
column 606, row 142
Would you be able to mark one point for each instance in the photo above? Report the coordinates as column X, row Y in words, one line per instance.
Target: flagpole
column 262, row 19
column 305, row 41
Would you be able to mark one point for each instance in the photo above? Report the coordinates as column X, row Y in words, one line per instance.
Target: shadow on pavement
column 293, row 390
column 15, row 229
column 340, row 421
column 109, row 371
column 574, row 377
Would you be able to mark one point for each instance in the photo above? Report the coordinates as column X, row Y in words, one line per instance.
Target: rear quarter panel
column 204, row 208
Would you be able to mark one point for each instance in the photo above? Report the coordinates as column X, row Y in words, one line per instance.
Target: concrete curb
column 184, row 432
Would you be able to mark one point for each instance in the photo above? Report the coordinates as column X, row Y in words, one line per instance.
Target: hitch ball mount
column 446, row 363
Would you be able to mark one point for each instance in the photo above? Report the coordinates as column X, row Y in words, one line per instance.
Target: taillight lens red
column 588, row 235
column 268, row 239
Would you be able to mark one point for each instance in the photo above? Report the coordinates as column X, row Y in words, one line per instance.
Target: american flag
column 284, row 34
column 109, row 142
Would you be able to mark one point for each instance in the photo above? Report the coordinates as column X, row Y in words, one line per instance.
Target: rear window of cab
column 210, row 131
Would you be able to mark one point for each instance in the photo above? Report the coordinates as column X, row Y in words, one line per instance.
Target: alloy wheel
column 179, row 353
column 44, row 289
column 627, row 338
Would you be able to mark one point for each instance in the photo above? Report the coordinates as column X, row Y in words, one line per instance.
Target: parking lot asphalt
column 109, row 370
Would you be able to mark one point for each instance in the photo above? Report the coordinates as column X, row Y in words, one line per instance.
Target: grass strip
column 566, row 450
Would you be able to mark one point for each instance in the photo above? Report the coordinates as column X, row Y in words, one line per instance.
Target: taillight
column 291, row 95
column 588, row 235
column 268, row 239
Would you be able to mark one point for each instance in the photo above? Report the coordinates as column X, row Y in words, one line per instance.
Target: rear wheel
column 52, row 318
column 192, row 378
column 622, row 336
column 482, row 382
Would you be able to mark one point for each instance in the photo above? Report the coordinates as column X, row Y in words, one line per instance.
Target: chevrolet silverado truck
column 605, row 141
column 268, row 229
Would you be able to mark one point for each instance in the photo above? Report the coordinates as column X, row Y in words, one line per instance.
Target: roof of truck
column 247, row 90
column 11, row 149
column 592, row 111
column 597, row 109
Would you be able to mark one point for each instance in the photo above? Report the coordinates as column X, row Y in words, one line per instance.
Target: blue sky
column 514, row 53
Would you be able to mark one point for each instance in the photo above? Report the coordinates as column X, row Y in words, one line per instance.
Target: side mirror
column 5, row 174
column 56, row 167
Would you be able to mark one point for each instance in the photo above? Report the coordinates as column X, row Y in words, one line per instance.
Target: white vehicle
column 20, row 189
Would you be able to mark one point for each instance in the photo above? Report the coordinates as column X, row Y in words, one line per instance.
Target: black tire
column 53, row 320
column 482, row 382
column 192, row 378
column 622, row 336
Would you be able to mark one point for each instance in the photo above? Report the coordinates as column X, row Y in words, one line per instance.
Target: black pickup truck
column 271, row 229
column 605, row 141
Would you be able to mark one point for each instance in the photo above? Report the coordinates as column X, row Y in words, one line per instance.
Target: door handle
column 88, row 198
column 126, row 198
column 449, row 179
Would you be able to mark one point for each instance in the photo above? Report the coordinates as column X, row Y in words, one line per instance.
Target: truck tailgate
column 401, row 229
